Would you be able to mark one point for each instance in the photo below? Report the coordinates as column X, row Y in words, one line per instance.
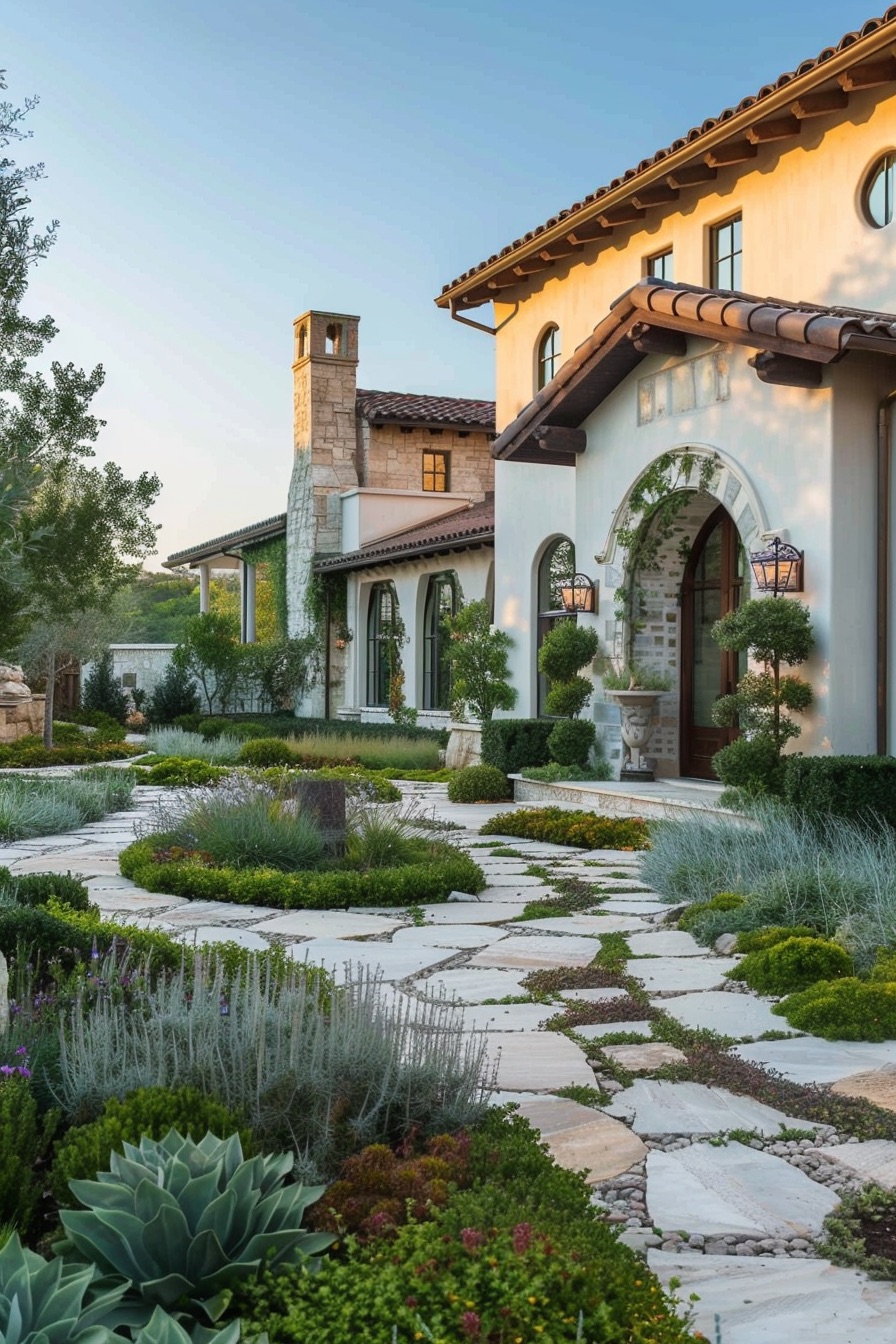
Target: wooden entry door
column 713, row 584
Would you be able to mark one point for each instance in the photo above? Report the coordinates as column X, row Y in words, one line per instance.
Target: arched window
column 548, row 361
column 441, row 598
column 381, row 632
column 333, row 340
column 303, row 342
column 556, row 569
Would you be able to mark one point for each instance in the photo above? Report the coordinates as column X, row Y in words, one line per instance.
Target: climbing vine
column 272, row 554
column 333, row 588
column 395, row 638
column 655, row 503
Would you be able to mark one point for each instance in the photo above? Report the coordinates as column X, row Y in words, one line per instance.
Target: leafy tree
column 174, row 694
column 78, row 532
column 102, row 692
column 564, row 649
column 776, row 631
column 479, row 669
column 213, row 656
column 284, row 668
column 154, row 607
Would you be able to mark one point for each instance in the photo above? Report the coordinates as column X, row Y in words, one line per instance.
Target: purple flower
column 22, row 1050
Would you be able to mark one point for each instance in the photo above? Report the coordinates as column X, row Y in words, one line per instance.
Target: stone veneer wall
column 21, row 720
column 391, row 458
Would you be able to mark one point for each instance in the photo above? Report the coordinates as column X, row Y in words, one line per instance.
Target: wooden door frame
column 727, row 581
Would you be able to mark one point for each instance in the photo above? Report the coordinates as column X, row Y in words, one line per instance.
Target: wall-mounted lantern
column 778, row 569
column 580, row 594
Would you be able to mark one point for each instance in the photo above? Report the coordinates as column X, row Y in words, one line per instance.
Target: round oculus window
column 880, row 191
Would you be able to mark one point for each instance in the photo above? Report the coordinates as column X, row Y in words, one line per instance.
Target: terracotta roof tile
column 243, row 536
column 415, row 408
column 453, row 531
column 695, row 133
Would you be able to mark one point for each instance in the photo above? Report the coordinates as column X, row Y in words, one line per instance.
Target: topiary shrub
column 726, row 900
column 513, row 744
column 150, row 1112
column 792, row 965
column 571, row 741
column 855, row 787
column 564, row 649
column 266, row 751
column 756, row 940
column 479, row 784
column 843, row 1010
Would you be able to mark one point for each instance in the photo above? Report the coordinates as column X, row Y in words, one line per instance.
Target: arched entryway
column 714, row 583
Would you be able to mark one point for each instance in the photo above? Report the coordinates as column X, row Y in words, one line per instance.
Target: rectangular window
column 129, row 679
column 436, row 471
column 660, row 266
column 726, row 251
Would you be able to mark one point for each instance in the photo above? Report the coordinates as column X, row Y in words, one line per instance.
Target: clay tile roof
column 244, row 536
column 454, row 531
column 695, row 133
column 414, row 408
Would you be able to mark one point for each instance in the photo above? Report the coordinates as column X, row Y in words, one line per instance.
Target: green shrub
column 41, row 888
column 185, row 1221
column 517, row 1257
column 843, row 1010
column 381, row 838
column 792, row 965
column 70, row 936
column 557, row 826
column 726, row 900
column 190, row 746
column 751, row 764
column 108, row 727
column 565, row 649
column 266, row 751
column 884, row 967
column 854, row 787
column 175, row 698
column 511, row 744
column 189, row 721
column 479, row 784
column 148, row 1112
column 852, row 1233
column 29, row 753
column 432, row 878
column 102, row 692
column 571, row 741
column 557, row 774
column 756, row 940
column 250, row 830
column 177, row 773
column 23, row 1141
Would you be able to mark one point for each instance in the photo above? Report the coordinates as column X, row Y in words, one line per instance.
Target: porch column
column 247, row 604
column 204, row 580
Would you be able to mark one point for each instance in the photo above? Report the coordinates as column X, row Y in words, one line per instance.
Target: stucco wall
column 804, row 237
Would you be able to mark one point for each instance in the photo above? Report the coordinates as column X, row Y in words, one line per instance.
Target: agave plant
column 164, row 1329
column 51, row 1302
column 184, row 1221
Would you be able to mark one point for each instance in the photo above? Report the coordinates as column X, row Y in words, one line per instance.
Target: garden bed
column 557, row 826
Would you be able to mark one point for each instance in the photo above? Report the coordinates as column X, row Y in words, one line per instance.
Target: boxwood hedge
column 434, row 879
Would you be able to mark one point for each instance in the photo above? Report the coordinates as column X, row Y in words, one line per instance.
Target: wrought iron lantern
column 778, row 569
column 579, row 594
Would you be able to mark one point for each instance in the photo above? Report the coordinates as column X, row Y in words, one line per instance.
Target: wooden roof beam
column 557, row 251
column 506, row 280
column 589, row 231
column 661, row 194
column 779, row 128
column 622, row 214
column 531, row 266
column 736, row 151
column 558, row 439
column 694, row 175
column 869, row 76
column 819, row 104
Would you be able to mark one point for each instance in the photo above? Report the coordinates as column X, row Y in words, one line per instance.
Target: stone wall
column 21, row 720
column 391, row 458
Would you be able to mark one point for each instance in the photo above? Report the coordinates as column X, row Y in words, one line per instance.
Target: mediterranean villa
column 636, row 340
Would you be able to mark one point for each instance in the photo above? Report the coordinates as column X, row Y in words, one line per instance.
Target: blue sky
column 218, row 168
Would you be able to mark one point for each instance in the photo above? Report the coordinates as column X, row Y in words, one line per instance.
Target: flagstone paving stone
column 115, row 899
column 449, row 935
column 220, row 933
column 874, row 1160
column 537, row 1061
column 657, row 1107
column 325, row 923
column 473, row 986
column 395, row 963
column 505, row 892
column 506, row 1016
column 734, row 1190
column 645, row 1058
column 680, row 974
column 584, row 1139
column 782, row 1301
column 593, row 1031
column 533, row 953
column 634, row 904
column 473, row 912
column 588, row 925
column 807, row 1059
column 666, row 943
column 737, row 1015
column 877, row 1085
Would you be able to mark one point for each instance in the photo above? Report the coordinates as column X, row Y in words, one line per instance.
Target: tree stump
column 324, row 800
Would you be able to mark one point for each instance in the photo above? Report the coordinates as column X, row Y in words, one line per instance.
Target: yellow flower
column 532, row 1300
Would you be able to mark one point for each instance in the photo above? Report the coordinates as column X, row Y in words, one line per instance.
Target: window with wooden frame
column 441, row 599
column 437, row 472
column 381, row 635
column 726, row 254
column 548, row 357
column 660, row 267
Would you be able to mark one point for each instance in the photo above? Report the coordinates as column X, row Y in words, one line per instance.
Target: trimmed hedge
column 843, row 786
column 285, row 725
column 29, row 753
column 512, row 744
column 433, row 880
column 479, row 784
column 556, row 826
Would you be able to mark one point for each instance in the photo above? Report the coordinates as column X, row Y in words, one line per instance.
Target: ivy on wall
column 272, row 554
column 332, row 587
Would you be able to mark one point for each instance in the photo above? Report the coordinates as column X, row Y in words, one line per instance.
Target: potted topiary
column 477, row 656
column 637, row 692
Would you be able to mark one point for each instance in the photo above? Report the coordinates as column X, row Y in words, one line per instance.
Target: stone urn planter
column 464, row 745
column 638, row 710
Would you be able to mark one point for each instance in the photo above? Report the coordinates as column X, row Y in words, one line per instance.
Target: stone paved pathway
column 734, row 1224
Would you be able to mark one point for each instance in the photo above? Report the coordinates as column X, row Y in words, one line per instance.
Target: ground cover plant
column 32, row 807
column 792, row 964
column 587, row 830
column 861, row 1233
column 29, row 753
column 177, row 743
column 843, row 1010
